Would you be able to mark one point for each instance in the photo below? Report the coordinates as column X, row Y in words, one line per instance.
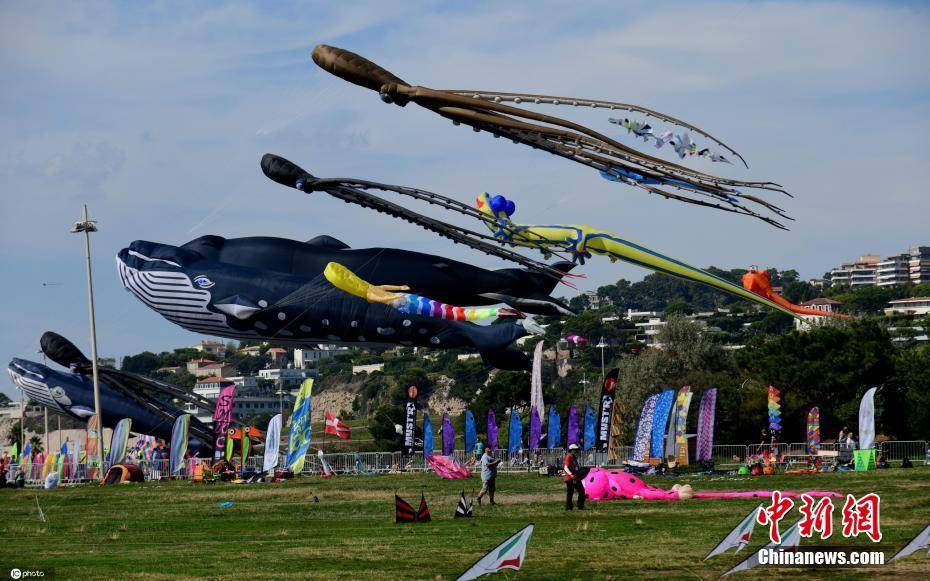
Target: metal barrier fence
column 896, row 451
column 724, row 456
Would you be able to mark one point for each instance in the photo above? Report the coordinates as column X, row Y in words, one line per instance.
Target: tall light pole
column 87, row 226
column 601, row 345
column 280, row 394
column 584, row 381
column 22, row 423
column 45, row 410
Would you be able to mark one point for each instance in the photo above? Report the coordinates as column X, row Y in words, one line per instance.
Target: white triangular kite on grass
column 464, row 508
column 790, row 540
column 921, row 541
column 738, row 537
column 510, row 554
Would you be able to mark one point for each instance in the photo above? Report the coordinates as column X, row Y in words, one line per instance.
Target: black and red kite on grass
column 404, row 513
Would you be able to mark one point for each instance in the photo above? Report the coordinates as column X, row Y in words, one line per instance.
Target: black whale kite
column 274, row 290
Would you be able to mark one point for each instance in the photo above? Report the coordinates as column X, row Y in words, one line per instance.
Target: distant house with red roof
column 277, row 357
column 209, row 368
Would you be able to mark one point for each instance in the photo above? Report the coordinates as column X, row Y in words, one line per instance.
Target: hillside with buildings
column 626, row 324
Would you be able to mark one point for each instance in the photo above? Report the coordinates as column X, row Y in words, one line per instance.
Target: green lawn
column 157, row 530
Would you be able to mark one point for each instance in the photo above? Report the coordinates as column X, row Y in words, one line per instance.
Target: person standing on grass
column 573, row 478
column 488, row 474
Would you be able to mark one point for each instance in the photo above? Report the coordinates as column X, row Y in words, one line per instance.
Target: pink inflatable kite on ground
column 576, row 340
column 447, row 467
column 602, row 484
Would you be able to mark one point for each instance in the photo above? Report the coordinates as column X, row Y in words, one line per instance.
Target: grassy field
column 161, row 530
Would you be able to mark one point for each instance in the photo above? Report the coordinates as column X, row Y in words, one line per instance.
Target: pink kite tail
column 764, row 494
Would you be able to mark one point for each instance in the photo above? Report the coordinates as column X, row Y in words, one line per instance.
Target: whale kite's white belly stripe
column 173, row 296
column 37, row 391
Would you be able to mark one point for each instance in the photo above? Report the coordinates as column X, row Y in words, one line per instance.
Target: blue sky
column 156, row 115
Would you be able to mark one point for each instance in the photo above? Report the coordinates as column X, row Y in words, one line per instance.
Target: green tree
column 678, row 307
column 15, row 434
column 36, row 445
column 912, row 379
column 144, row 363
column 828, row 366
column 506, row 389
column 382, row 427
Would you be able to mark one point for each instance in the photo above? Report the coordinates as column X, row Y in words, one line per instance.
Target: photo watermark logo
column 17, row 573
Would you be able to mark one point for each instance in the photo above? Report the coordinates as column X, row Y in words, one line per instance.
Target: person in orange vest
column 573, row 478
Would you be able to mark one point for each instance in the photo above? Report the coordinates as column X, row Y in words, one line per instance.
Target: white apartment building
column 304, row 358
column 826, row 305
column 649, row 331
column 893, row 270
column 244, row 407
column 210, row 387
column 856, row 274
column 919, row 264
column 911, row 267
column 918, row 306
column 287, row 376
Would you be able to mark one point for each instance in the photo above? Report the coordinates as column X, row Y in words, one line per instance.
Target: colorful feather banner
column 644, row 429
column 179, row 443
column 471, row 432
column 774, row 408
column 589, row 429
column 492, row 431
column 554, row 429
column 606, row 409
column 535, row 428
column 671, row 447
column 222, row 417
column 271, row 457
column 867, row 420
column 427, row 435
column 813, row 430
column 571, row 437
column 705, row 432
column 448, row 436
column 92, row 448
column 660, row 422
column 515, row 433
column 681, row 424
column 118, row 441
column 298, row 441
column 536, row 394
column 616, row 431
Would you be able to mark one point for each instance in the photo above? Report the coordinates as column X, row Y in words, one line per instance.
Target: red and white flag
column 336, row 427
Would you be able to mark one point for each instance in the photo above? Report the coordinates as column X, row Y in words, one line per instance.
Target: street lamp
column 601, row 345
column 584, row 381
column 86, row 226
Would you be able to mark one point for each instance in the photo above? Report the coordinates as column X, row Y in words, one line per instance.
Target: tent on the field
column 122, row 474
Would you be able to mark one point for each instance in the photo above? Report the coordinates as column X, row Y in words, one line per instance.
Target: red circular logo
column 412, row 392
column 610, row 385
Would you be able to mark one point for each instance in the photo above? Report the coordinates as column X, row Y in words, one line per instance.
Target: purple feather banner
column 572, row 436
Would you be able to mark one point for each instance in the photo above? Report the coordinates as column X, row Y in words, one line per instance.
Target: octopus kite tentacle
column 142, row 390
column 519, row 98
column 346, row 280
column 582, row 242
column 289, row 174
column 485, row 110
